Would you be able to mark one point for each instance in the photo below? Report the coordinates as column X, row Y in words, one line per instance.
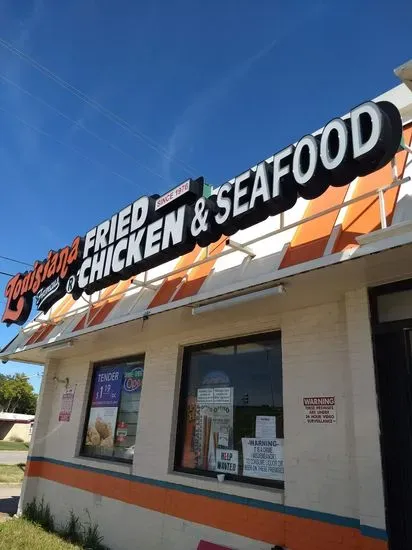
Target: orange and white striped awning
column 324, row 231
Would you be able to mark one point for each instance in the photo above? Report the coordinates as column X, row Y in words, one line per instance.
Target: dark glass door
column 394, row 380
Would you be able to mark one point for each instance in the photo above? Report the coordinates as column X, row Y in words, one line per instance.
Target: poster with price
column 107, row 386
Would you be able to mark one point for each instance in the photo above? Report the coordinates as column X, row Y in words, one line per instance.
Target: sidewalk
column 13, row 457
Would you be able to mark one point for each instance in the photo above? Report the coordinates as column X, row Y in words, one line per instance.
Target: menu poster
column 107, row 387
column 203, row 431
column 101, row 427
column 67, row 405
column 263, row 458
column 214, row 424
column 190, row 448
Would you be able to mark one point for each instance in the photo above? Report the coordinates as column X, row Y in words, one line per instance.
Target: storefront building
column 15, row 427
column 232, row 365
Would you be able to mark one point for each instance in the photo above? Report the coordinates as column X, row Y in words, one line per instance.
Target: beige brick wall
column 366, row 451
column 332, row 468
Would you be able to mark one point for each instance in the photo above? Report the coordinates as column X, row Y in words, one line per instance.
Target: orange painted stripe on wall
column 311, row 238
column 253, row 522
column 170, row 284
column 327, row 537
column 364, row 217
column 197, row 276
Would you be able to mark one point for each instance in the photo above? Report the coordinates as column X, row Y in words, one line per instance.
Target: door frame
column 377, row 329
column 387, row 326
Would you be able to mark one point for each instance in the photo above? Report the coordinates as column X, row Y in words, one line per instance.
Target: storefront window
column 231, row 411
column 111, row 422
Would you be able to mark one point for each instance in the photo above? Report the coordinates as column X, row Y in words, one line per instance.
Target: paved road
column 13, row 457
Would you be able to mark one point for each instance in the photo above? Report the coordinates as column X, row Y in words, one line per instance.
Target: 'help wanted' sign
column 227, row 461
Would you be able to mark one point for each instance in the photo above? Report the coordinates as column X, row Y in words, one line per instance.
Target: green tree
column 17, row 395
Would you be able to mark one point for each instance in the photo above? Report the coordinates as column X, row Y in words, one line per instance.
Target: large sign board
column 153, row 230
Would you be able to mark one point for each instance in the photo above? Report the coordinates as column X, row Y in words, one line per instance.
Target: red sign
column 172, row 195
column 121, row 431
column 67, row 405
column 204, row 545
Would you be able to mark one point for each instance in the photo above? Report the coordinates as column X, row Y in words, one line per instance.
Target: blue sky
column 202, row 88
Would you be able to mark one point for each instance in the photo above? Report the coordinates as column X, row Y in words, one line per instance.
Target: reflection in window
column 231, row 410
column 114, row 409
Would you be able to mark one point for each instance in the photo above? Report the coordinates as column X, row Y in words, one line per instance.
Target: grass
column 13, row 446
column 86, row 535
column 20, row 534
column 11, row 473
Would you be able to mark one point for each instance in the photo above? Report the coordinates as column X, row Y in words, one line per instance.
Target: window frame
column 374, row 293
column 181, row 411
column 93, row 367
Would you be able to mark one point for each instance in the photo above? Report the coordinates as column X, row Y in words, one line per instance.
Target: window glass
column 111, row 422
column 231, row 411
column 395, row 306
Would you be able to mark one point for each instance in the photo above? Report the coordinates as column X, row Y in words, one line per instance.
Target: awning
column 370, row 214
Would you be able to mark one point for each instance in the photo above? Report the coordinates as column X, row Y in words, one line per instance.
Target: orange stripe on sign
column 255, row 522
column 99, row 312
column 199, row 274
column 42, row 332
column 170, row 284
column 311, row 238
column 364, row 216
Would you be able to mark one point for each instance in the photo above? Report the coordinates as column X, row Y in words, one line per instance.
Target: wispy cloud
column 28, row 24
column 12, row 66
column 197, row 112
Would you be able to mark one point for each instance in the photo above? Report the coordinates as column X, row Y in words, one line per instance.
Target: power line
column 116, row 119
column 15, row 261
column 6, row 274
column 42, row 132
column 80, row 125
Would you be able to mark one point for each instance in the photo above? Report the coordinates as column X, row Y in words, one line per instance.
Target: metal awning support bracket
column 394, row 167
column 143, row 284
column 241, row 248
column 406, row 147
